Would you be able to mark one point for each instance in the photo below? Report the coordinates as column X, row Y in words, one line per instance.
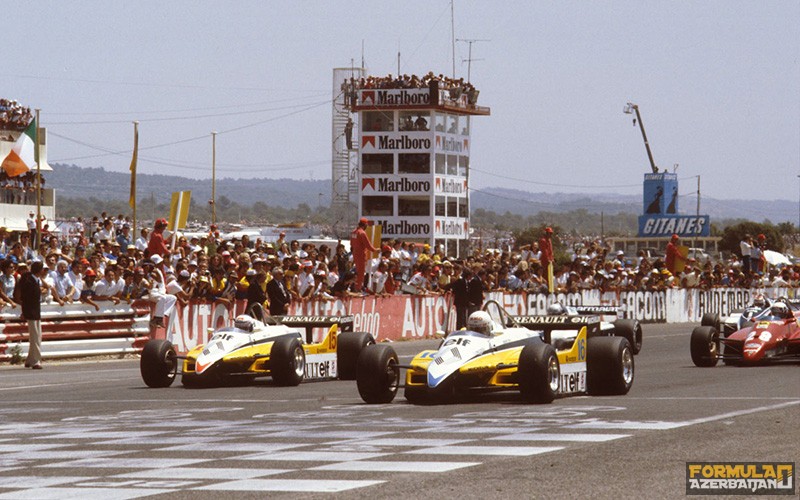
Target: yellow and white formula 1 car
column 280, row 348
column 542, row 357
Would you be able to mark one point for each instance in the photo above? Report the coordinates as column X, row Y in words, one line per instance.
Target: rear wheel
column 538, row 372
column 159, row 363
column 704, row 346
column 378, row 374
column 631, row 330
column 350, row 345
column 287, row 362
column 609, row 365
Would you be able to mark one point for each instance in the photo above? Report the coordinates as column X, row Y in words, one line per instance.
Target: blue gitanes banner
column 660, row 194
column 685, row 226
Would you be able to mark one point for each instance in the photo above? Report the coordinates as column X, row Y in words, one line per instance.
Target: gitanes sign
column 686, row 226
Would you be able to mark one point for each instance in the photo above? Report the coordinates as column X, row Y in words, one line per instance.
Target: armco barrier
column 78, row 329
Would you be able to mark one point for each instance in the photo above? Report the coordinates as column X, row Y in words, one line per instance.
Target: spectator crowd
column 20, row 189
column 456, row 87
column 13, row 116
column 105, row 259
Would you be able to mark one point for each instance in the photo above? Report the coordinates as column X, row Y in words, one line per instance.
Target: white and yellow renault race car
column 542, row 357
column 280, row 347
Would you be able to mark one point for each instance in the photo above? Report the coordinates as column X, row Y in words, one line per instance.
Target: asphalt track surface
column 92, row 430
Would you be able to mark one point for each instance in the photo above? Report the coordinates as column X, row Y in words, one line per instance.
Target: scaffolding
column 344, row 151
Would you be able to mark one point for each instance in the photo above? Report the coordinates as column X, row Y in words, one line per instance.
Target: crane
column 629, row 109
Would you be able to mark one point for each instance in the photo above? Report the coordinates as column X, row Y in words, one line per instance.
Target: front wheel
column 159, row 363
column 609, row 365
column 539, row 373
column 378, row 375
column 704, row 346
column 287, row 362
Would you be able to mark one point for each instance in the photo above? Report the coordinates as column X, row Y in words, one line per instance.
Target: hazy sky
column 718, row 85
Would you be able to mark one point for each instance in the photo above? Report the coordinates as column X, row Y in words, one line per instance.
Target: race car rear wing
column 601, row 310
column 547, row 324
column 345, row 323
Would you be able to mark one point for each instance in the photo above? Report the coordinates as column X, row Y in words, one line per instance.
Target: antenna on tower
column 469, row 58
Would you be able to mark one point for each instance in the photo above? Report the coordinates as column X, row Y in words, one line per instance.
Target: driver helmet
column 556, row 309
column 480, row 322
column 245, row 322
column 780, row 309
column 760, row 300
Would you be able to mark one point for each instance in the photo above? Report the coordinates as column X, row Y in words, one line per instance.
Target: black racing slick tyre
column 710, row 319
column 631, row 330
column 539, row 373
column 159, row 363
column 704, row 346
column 348, row 350
column 287, row 362
column 378, row 374
column 609, row 366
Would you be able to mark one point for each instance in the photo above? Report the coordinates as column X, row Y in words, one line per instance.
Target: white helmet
column 480, row 322
column 780, row 310
column 556, row 309
column 760, row 301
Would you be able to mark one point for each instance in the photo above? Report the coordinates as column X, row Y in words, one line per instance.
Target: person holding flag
column 546, row 248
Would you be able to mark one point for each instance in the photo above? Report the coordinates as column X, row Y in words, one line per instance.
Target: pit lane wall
column 79, row 330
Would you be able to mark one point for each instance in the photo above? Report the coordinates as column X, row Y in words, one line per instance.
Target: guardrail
column 74, row 330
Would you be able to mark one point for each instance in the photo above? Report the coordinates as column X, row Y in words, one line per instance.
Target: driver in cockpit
column 480, row 322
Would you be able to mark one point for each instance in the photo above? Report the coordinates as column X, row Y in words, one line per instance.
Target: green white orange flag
column 22, row 157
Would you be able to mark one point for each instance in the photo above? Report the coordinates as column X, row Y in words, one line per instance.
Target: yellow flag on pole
column 179, row 210
column 132, row 200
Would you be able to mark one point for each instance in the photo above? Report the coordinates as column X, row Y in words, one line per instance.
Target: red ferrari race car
column 773, row 335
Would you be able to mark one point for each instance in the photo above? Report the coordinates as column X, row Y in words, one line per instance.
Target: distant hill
column 73, row 181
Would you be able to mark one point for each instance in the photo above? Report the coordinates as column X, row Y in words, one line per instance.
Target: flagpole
column 213, row 177
column 133, row 174
column 38, row 187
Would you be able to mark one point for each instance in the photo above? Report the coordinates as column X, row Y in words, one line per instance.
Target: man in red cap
column 361, row 247
column 546, row 248
column 673, row 255
column 157, row 245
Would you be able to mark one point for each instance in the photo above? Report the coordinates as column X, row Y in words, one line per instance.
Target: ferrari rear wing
column 345, row 323
column 549, row 323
